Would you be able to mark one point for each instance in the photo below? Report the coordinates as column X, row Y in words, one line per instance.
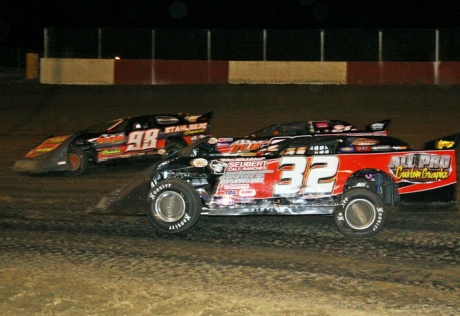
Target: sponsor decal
column 247, row 193
column 321, row 124
column 111, row 139
column 226, row 192
column 186, row 128
column 218, row 166
column 57, row 139
column 225, row 140
column 421, row 168
column 199, row 162
column 197, row 131
column 242, row 177
column 381, row 148
column 349, row 149
column 444, row 144
column 238, row 165
column 251, row 165
column 236, row 186
column 363, row 149
column 365, row 142
column 244, row 145
column 44, row 150
column 213, row 140
column 113, row 151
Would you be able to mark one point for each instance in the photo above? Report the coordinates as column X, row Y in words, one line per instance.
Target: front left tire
column 78, row 161
column 174, row 206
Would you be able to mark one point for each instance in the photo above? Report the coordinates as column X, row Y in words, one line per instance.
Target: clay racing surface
column 56, row 259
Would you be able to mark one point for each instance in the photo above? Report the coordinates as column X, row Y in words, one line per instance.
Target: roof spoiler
column 197, row 118
column 446, row 142
column 205, row 117
column 378, row 126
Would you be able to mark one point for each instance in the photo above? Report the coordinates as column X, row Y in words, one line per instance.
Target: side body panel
column 321, row 176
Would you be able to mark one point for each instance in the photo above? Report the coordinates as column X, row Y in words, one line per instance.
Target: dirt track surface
column 55, row 259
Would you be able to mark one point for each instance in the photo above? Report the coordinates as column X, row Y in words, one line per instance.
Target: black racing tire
column 198, row 149
column 361, row 215
column 173, row 148
column 174, row 206
column 78, row 161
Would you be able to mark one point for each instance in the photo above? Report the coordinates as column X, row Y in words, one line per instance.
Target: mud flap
column 130, row 199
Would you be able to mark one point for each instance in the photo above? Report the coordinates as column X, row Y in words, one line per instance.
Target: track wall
column 148, row 72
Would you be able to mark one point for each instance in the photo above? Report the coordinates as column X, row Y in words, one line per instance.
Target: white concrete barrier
column 77, row 71
column 285, row 72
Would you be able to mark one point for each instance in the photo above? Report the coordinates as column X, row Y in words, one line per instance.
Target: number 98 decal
column 302, row 175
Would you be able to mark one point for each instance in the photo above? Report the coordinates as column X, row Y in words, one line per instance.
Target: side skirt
column 270, row 210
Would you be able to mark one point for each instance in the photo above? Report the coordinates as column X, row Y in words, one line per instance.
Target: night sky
column 22, row 21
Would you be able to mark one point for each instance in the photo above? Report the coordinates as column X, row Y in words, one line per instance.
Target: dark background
column 22, row 21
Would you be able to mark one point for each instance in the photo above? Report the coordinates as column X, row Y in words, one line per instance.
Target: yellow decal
column 111, row 152
column 441, row 144
column 57, row 139
column 44, row 150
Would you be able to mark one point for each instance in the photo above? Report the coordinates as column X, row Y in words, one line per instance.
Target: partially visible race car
column 123, row 138
column 354, row 178
column 278, row 132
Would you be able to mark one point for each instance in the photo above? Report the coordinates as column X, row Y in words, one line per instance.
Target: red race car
column 355, row 178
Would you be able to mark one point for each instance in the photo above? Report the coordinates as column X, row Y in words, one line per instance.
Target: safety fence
column 201, row 56
column 408, row 45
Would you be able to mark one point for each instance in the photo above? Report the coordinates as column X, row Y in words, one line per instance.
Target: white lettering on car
column 298, row 177
column 142, row 140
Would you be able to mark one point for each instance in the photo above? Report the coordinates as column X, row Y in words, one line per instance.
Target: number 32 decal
column 302, row 175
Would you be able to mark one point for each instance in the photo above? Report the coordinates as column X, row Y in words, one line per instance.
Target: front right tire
column 173, row 148
column 198, row 149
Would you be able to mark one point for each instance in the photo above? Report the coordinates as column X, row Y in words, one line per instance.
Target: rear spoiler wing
column 447, row 142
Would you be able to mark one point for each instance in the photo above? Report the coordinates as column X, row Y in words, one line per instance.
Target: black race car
column 260, row 139
column 123, row 138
